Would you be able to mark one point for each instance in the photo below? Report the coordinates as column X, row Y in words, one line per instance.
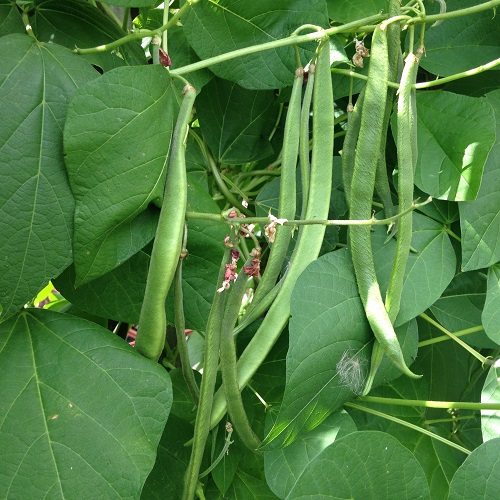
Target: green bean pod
column 310, row 236
column 287, row 199
column 168, row 240
column 210, row 367
column 305, row 164
column 362, row 187
column 235, row 407
column 406, row 154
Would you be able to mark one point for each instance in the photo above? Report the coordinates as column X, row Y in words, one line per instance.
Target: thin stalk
column 164, row 38
column 227, row 444
column 410, row 426
column 458, row 76
column 445, row 405
column 282, row 42
column 306, row 222
column 139, row 34
column 180, row 331
column 443, row 338
column 467, row 347
column 211, row 362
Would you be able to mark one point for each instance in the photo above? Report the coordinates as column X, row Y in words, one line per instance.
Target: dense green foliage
column 350, row 148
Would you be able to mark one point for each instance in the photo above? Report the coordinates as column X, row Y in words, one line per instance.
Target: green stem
column 227, row 444
column 307, row 222
column 457, row 76
column 210, row 366
column 139, row 34
column 282, row 42
column 459, row 13
column 409, row 425
column 467, row 347
column 445, row 405
column 180, row 330
column 164, row 38
column 436, row 340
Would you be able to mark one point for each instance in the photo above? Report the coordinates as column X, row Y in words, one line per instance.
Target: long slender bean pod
column 305, row 164
column 310, row 237
column 180, row 328
column 168, row 240
column 349, row 147
column 235, row 406
column 287, row 199
column 406, row 158
column 362, row 187
column 210, row 366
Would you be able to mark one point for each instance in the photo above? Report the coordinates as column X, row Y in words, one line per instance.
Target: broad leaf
column 460, row 307
column 36, row 204
column 236, row 137
column 491, row 312
column 463, row 42
column 451, row 158
column 330, row 346
column 366, row 464
column 75, row 390
column 490, row 419
column 116, row 139
column 479, row 475
column 429, row 270
column 480, row 219
column 239, row 23
column 76, row 23
column 283, row 467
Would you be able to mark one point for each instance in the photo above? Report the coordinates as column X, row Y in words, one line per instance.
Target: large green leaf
column 429, row 270
column 365, row 464
column 76, row 23
column 460, row 307
column 491, row 312
column 480, row 219
column 479, row 475
column 451, row 158
column 36, row 205
column 81, row 412
column 10, row 18
column 283, row 467
column 239, row 23
column 490, row 419
column 236, row 122
column 330, row 345
column 463, row 42
column 116, row 139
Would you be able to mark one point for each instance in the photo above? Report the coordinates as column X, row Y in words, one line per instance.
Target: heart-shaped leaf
column 116, row 139
column 74, row 390
column 36, row 204
column 491, row 312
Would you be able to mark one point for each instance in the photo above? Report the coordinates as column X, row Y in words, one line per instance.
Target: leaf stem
column 282, row 42
column 305, row 222
column 459, row 12
column 446, row 405
column 457, row 76
column 436, row 340
column 139, row 34
column 457, row 340
column 227, row 444
column 410, row 426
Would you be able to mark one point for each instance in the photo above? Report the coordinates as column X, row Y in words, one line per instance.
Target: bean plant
column 249, row 249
